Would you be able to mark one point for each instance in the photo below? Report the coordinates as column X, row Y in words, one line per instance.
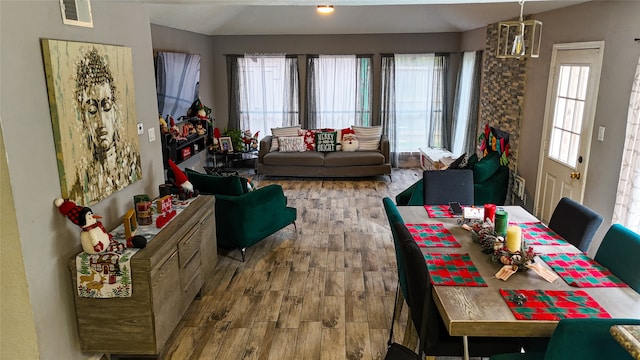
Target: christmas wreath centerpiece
column 483, row 233
column 521, row 259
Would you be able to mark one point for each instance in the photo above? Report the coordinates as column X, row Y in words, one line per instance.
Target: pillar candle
column 490, row 212
column 514, row 238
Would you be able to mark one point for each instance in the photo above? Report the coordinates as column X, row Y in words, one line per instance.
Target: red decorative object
column 186, row 153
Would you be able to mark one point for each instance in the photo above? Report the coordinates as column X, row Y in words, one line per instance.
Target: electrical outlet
column 140, row 129
column 518, row 186
column 152, row 134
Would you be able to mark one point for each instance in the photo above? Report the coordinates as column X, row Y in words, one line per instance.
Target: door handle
column 575, row 175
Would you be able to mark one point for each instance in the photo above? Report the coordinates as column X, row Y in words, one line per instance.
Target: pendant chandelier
column 518, row 39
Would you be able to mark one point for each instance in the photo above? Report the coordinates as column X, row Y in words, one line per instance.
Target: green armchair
column 490, row 183
column 244, row 217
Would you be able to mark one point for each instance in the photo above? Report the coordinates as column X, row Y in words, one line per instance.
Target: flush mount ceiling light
column 325, row 9
column 517, row 39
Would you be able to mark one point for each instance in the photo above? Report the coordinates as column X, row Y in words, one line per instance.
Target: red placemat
column 537, row 233
column 439, row 211
column 553, row 305
column 579, row 270
column 453, row 269
column 432, row 235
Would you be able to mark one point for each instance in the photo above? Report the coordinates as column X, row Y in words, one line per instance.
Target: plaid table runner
column 438, row 211
column 453, row 269
column 536, row 233
column 553, row 305
column 579, row 270
column 432, row 235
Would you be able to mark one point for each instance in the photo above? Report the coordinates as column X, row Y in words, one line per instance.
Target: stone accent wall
column 502, row 93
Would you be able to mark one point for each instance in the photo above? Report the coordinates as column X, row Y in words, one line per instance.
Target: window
column 266, row 93
column 465, row 107
column 339, row 91
column 567, row 120
column 413, row 104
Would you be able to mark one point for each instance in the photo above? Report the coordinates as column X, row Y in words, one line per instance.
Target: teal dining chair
column 584, row 339
column 401, row 290
column 619, row 252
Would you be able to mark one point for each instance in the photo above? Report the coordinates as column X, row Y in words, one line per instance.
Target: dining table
column 483, row 309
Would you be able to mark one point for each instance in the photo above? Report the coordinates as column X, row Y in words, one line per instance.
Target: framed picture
column 226, row 145
column 93, row 115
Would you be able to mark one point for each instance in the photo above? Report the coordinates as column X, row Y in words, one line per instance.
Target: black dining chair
column 441, row 187
column 620, row 253
column 434, row 339
column 575, row 222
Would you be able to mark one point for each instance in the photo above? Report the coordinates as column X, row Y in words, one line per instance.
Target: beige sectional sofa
column 320, row 164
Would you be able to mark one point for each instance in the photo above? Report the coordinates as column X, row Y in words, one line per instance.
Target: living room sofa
column 324, row 164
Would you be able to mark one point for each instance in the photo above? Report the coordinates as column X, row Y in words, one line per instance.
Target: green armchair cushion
column 243, row 220
column 216, row 185
column 485, row 168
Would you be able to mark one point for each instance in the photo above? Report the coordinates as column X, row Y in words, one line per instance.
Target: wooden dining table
column 482, row 311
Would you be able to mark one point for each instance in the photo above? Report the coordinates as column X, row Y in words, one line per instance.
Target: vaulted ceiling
column 254, row 17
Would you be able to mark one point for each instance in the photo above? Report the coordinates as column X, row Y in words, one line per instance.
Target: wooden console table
column 165, row 278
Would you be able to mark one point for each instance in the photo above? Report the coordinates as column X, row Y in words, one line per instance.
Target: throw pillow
column 368, row 137
column 292, row 144
column 458, row 163
column 326, row 141
column 349, row 142
column 215, row 185
column 309, row 138
column 280, row 132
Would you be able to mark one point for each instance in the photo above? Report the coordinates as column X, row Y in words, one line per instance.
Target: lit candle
column 514, row 238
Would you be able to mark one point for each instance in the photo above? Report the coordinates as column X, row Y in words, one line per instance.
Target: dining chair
column 434, row 338
column 401, row 289
column 619, row 252
column 584, row 339
column 444, row 186
column 575, row 222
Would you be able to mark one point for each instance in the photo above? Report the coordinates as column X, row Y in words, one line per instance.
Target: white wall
column 48, row 240
column 615, row 22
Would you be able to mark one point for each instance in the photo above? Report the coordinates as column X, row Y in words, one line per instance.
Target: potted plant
column 236, row 138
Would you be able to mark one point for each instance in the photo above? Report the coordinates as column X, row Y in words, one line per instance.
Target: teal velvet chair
column 584, row 339
column 244, row 217
column 619, row 253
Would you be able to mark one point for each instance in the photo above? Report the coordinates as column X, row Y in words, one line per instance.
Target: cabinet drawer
column 166, row 299
column 188, row 247
column 189, row 271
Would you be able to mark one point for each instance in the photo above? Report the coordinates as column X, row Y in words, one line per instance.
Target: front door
column 568, row 126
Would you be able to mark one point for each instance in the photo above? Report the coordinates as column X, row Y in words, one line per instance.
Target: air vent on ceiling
column 76, row 12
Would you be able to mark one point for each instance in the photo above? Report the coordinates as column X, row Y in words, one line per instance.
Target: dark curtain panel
column 387, row 111
column 233, row 91
column 311, row 122
column 442, row 84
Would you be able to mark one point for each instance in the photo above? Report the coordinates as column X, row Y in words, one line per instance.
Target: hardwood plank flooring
column 323, row 291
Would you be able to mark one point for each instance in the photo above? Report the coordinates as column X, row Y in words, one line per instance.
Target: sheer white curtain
column 627, row 208
column 465, row 107
column 338, row 91
column 177, row 77
column 268, row 92
column 415, row 87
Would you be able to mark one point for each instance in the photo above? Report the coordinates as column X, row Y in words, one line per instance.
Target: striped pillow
column 292, row 144
column 368, row 137
column 282, row 132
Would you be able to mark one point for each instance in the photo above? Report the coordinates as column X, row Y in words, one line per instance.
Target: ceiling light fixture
column 325, row 9
column 517, row 39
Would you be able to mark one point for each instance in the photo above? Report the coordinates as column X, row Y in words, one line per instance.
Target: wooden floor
column 323, row 291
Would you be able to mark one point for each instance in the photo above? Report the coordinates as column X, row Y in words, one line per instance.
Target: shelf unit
column 181, row 150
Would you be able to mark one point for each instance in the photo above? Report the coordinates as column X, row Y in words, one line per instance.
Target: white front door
column 574, row 78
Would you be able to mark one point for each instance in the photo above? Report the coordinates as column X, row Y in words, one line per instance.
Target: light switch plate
column 152, row 134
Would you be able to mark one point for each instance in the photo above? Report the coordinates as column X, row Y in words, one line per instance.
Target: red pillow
column 309, row 138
